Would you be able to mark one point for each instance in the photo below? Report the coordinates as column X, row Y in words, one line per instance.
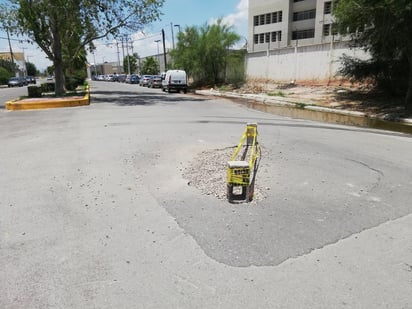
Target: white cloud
column 238, row 19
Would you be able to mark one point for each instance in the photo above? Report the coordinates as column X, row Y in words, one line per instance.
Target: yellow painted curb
column 26, row 104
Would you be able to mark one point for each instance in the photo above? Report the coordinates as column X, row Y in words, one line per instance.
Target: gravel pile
column 207, row 172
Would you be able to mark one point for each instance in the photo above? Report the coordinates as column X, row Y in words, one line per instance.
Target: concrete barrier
column 41, row 103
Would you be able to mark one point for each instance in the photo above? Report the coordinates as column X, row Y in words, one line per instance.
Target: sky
column 176, row 12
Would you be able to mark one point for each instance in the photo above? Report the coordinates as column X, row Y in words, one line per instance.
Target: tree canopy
column 31, row 69
column 64, row 29
column 203, row 51
column 130, row 61
column 150, row 66
column 383, row 28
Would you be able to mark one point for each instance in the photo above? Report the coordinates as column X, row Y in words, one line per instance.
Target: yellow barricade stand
column 242, row 167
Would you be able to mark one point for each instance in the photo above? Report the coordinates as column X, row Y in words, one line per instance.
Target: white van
column 175, row 80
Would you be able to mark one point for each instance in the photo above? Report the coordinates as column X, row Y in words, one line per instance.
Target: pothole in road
column 207, row 173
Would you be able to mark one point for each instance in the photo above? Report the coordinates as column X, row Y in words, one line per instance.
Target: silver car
column 144, row 80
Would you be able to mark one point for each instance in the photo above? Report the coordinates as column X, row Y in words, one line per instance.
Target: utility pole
column 128, row 56
column 11, row 51
column 122, row 53
column 118, row 55
column 164, row 49
column 24, row 62
column 95, row 68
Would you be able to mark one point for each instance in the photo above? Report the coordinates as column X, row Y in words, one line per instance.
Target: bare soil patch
column 339, row 95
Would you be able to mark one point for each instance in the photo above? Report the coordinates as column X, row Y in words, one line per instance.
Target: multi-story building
column 294, row 40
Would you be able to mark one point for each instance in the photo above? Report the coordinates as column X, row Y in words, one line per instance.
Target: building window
column 274, row 33
column 303, row 15
column 327, row 8
column 303, row 34
column 256, row 20
column 267, row 37
column 256, row 38
column 298, row 0
column 274, row 17
column 326, row 30
column 269, row 18
column 330, row 29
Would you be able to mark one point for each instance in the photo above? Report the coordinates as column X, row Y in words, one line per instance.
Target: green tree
column 150, row 66
column 64, row 28
column 4, row 75
column 8, row 66
column 383, row 28
column 31, row 69
column 130, row 61
column 203, row 51
column 49, row 70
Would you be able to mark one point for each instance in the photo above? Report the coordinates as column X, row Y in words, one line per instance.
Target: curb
column 300, row 109
column 28, row 104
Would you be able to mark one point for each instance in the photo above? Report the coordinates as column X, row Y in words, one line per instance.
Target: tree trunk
column 408, row 99
column 58, row 57
column 59, row 77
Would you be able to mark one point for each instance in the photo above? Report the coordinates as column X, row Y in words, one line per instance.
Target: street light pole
column 173, row 37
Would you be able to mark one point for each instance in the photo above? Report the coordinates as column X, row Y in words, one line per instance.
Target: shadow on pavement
column 129, row 98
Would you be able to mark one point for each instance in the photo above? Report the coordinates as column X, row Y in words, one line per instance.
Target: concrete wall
column 302, row 63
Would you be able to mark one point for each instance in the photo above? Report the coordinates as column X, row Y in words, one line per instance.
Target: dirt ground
column 339, row 95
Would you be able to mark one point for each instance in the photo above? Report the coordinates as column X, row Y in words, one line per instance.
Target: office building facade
column 295, row 40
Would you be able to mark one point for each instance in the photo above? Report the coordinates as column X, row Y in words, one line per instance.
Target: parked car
column 110, row 77
column 175, row 80
column 15, row 82
column 30, row 79
column 132, row 79
column 144, row 80
column 121, row 78
column 155, row 82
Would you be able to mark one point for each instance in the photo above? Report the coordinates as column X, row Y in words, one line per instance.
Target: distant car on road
column 15, row 82
column 155, row 82
column 144, row 80
column 175, row 80
column 121, row 78
column 132, row 79
column 30, row 79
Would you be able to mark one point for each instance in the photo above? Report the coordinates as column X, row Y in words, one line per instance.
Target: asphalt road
column 95, row 212
column 7, row 94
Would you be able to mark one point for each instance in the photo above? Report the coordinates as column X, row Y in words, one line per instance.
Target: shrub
column 48, row 87
column 34, row 91
column 74, row 79
column 73, row 82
